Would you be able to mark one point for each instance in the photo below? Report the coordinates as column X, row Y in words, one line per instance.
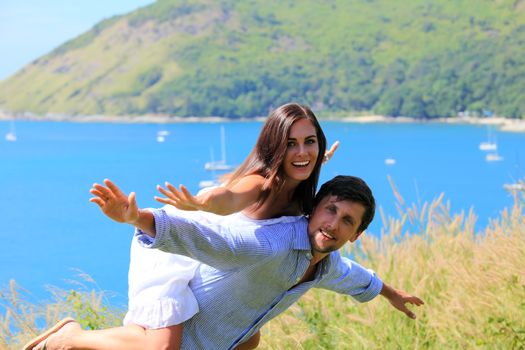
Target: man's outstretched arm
column 399, row 299
column 122, row 208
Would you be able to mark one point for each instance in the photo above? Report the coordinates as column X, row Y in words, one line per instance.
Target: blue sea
column 51, row 232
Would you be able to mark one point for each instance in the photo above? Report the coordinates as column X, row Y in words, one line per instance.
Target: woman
column 279, row 177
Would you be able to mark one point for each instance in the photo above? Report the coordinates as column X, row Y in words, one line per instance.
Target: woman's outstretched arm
column 219, row 200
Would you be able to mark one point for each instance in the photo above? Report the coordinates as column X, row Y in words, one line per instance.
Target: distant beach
column 501, row 123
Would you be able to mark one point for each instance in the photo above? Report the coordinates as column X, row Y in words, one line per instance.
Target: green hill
column 241, row 58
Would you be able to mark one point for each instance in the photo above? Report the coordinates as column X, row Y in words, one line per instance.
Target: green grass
column 25, row 318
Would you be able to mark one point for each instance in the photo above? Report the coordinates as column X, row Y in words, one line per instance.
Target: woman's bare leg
column 252, row 343
column 169, row 338
column 130, row 337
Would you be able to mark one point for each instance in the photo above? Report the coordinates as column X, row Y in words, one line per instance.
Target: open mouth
column 326, row 235
column 301, row 164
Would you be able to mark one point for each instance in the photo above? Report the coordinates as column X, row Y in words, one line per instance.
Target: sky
column 32, row 28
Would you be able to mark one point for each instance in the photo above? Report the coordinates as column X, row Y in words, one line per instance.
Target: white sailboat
column 220, row 164
column 161, row 135
column 11, row 134
column 516, row 186
column 209, row 183
column 490, row 144
column 214, row 181
column 390, row 161
column 493, row 157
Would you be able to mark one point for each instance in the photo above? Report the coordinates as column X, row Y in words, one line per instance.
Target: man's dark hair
column 353, row 189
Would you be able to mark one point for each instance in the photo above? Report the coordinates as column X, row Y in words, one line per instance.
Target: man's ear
column 309, row 216
column 355, row 237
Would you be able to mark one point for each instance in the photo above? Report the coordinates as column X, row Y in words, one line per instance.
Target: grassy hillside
column 239, row 59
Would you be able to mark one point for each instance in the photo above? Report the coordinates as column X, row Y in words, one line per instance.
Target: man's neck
column 317, row 257
column 309, row 275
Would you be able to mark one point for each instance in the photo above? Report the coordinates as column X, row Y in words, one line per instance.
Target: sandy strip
column 503, row 124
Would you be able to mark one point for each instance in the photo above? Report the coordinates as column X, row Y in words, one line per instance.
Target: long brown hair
column 267, row 157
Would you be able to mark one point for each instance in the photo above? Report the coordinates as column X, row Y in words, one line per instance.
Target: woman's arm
column 220, row 200
column 330, row 153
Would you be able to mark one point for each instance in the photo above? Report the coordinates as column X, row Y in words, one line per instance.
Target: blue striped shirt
column 249, row 273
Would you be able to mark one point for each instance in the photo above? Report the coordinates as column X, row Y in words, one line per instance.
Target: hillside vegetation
column 231, row 58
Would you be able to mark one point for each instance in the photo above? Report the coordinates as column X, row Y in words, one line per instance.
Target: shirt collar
column 301, row 240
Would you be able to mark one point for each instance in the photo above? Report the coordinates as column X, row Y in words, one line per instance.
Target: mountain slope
column 229, row 58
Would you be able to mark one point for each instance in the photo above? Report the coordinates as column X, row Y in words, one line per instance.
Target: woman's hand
column 181, row 199
column 329, row 154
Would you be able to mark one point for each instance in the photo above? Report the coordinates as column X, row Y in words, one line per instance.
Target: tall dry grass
column 23, row 319
column 473, row 285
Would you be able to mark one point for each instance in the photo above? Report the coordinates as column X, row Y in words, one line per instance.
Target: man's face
column 333, row 223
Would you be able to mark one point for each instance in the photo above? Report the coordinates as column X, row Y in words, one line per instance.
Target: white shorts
column 159, row 295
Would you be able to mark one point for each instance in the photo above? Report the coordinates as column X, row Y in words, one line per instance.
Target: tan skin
column 241, row 196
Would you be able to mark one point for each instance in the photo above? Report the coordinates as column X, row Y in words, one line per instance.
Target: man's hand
column 114, row 203
column 399, row 298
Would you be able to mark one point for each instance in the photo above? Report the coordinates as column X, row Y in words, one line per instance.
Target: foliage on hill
column 242, row 58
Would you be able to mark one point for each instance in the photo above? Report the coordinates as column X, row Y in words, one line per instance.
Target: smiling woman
column 37, row 27
column 302, row 151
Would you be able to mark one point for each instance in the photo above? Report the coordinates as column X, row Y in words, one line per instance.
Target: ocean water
column 51, row 232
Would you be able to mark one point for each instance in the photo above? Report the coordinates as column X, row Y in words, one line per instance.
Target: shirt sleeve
column 345, row 276
column 210, row 243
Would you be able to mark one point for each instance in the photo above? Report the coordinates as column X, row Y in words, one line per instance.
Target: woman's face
column 302, row 151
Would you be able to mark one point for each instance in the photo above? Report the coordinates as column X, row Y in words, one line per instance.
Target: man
column 254, row 270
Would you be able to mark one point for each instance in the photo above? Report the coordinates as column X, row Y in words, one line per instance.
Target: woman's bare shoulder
column 255, row 180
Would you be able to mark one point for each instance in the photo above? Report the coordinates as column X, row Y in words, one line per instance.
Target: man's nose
column 332, row 224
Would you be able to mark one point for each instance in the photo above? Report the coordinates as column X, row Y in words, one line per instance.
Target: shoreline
column 502, row 124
